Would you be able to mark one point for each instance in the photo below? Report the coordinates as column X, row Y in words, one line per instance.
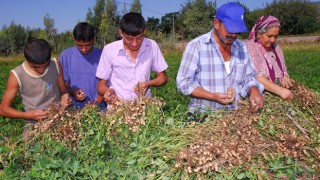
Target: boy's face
column 133, row 43
column 40, row 68
column 84, row 46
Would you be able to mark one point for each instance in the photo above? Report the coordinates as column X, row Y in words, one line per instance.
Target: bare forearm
column 13, row 113
column 102, row 87
column 269, row 85
column 201, row 93
column 160, row 80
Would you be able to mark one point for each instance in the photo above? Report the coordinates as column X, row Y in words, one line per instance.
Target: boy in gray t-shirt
column 39, row 80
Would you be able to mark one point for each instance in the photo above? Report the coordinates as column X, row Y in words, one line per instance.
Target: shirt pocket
column 239, row 73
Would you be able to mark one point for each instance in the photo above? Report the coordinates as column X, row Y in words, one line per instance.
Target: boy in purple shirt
column 127, row 63
column 79, row 64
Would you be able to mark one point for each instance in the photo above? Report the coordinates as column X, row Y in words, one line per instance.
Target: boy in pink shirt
column 128, row 62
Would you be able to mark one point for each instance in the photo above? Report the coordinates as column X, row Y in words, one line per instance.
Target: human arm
column 109, row 95
column 161, row 79
column 64, row 93
column 198, row 75
column 7, row 99
column 256, row 99
column 222, row 98
column 286, row 81
column 272, row 87
column 77, row 93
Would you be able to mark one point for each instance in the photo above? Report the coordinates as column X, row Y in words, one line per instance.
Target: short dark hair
column 132, row 24
column 83, row 31
column 37, row 51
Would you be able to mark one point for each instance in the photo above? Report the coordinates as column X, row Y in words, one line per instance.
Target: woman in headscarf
column 268, row 57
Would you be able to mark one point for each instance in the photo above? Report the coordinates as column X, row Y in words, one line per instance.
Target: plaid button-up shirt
column 202, row 65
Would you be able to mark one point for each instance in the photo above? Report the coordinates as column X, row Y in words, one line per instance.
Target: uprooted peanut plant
column 137, row 140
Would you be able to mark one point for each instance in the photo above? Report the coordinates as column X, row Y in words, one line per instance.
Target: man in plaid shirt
column 216, row 68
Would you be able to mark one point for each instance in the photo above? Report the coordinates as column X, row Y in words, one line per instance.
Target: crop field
column 151, row 138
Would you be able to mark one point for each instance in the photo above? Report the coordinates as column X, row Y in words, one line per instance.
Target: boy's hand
column 141, row 88
column 110, row 96
column 79, row 95
column 65, row 100
column 38, row 114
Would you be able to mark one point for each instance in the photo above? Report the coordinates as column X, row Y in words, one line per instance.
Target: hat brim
column 236, row 27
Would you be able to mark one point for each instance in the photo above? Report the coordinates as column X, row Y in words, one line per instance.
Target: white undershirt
column 227, row 65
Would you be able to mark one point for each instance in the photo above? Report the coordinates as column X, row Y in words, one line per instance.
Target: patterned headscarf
column 262, row 22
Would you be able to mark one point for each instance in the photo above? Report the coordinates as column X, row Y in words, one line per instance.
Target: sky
column 67, row 13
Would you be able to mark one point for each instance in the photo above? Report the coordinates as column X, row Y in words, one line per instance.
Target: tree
column 89, row 16
column 197, row 17
column 103, row 30
column 17, row 37
column 167, row 22
column 4, row 42
column 98, row 11
column 152, row 24
column 50, row 31
column 109, row 26
column 296, row 16
column 136, row 6
column 65, row 41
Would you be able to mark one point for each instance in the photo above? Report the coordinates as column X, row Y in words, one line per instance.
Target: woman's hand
column 286, row 94
column 286, row 82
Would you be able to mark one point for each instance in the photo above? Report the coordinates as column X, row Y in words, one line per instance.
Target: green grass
column 106, row 148
column 303, row 61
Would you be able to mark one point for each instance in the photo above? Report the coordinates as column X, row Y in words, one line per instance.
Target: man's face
column 84, row 46
column 223, row 35
column 133, row 43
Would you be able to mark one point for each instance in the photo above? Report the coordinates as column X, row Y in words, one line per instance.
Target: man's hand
column 79, row 95
column 110, row 96
column 256, row 99
column 225, row 98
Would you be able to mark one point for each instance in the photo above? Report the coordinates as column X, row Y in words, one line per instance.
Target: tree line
column 297, row 17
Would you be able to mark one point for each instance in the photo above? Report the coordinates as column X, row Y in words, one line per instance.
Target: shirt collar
column 209, row 39
column 143, row 47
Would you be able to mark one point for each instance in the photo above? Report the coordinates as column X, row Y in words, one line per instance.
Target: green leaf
column 133, row 145
column 170, row 121
column 261, row 123
column 131, row 162
column 293, row 112
column 268, row 110
column 91, row 132
column 241, row 176
column 75, row 167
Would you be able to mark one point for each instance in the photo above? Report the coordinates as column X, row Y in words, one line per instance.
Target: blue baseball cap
column 232, row 16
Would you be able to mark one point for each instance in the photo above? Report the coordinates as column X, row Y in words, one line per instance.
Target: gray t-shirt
column 38, row 92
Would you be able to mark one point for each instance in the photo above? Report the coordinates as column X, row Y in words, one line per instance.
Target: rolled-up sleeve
column 186, row 78
column 104, row 67
column 250, row 80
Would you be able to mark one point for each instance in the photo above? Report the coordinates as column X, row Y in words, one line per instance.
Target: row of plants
column 136, row 140
column 151, row 138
